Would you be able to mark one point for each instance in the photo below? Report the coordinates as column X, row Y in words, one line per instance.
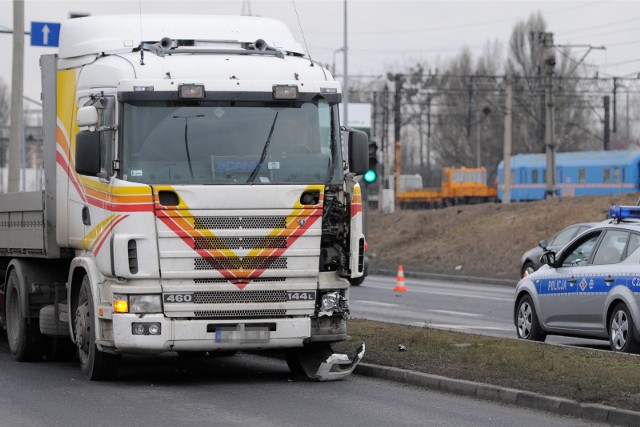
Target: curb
column 561, row 406
column 449, row 277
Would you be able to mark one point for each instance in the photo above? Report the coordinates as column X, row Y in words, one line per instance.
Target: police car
column 590, row 289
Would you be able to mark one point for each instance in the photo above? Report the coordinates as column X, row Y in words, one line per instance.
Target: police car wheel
column 621, row 331
column 527, row 325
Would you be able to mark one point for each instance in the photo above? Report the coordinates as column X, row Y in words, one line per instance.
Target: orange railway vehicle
column 458, row 186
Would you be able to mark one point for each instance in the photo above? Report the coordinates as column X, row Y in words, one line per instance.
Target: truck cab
column 202, row 202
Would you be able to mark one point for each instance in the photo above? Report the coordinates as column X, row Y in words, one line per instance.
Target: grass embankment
column 580, row 374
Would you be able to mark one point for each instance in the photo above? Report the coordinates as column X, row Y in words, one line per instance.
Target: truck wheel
column 25, row 341
column 356, row 281
column 293, row 361
column 96, row 365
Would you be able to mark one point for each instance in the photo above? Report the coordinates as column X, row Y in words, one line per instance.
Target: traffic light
column 371, row 175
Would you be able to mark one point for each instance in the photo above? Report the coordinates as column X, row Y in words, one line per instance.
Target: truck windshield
column 230, row 143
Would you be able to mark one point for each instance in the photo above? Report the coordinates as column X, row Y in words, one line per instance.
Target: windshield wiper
column 186, row 138
column 253, row 175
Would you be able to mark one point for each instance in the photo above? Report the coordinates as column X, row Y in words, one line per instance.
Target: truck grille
column 239, row 297
column 256, row 280
column 249, row 263
column 240, row 313
column 240, row 242
column 236, row 222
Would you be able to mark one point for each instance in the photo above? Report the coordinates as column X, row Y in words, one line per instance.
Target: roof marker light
column 285, row 92
column 191, row 91
column 624, row 212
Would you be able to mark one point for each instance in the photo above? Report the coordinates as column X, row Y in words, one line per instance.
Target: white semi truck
column 196, row 199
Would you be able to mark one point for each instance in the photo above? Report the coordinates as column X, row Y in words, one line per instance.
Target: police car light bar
column 624, row 212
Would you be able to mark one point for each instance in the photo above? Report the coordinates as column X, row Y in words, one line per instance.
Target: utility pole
column 615, row 115
column 506, row 169
column 470, row 107
column 429, row 100
column 384, row 140
column 549, row 135
column 607, row 133
column 397, row 150
column 374, row 117
column 345, row 55
column 16, row 137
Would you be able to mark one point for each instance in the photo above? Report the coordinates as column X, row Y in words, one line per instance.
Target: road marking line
column 453, row 294
column 457, row 313
column 463, row 327
column 384, row 304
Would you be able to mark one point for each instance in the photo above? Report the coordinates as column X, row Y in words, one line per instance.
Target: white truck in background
column 196, row 199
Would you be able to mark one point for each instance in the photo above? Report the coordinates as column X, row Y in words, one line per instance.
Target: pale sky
column 382, row 34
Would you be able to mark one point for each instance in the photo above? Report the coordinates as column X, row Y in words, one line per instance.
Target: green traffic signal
column 370, row 176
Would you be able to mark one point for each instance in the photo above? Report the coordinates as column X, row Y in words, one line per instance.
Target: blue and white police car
column 590, row 288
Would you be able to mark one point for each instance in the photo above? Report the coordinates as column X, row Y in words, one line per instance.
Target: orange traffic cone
column 400, row 287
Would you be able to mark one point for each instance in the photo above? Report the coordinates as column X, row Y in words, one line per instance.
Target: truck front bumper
column 131, row 333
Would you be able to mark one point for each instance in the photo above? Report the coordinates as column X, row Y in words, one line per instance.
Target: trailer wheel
column 96, row 365
column 25, row 340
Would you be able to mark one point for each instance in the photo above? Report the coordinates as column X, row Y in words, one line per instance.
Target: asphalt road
column 459, row 306
column 243, row 390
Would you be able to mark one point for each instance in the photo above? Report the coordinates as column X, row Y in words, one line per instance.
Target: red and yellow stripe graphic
column 300, row 219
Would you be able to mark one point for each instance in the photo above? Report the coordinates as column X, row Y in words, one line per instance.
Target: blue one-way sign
column 45, row 34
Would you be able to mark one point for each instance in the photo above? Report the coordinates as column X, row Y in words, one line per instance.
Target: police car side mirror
column 548, row 258
column 543, row 244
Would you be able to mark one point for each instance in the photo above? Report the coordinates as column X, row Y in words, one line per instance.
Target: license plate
column 242, row 334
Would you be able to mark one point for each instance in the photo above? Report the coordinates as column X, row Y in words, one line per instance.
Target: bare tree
column 526, row 63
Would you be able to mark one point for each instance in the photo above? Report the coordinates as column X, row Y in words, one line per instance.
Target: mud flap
column 320, row 363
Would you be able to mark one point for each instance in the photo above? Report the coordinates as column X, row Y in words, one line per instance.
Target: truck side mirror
column 358, row 152
column 87, row 116
column 88, row 153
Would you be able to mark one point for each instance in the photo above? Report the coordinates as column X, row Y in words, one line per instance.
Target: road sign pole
column 17, row 86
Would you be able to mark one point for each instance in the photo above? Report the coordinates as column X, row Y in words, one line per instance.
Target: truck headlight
column 145, row 303
column 332, row 302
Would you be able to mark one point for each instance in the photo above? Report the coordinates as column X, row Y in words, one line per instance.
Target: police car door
column 595, row 280
column 562, row 307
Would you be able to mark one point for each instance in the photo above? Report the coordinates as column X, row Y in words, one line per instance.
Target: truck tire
column 356, row 281
column 25, row 340
column 96, row 365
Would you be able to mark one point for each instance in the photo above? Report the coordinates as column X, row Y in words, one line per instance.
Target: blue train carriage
column 580, row 173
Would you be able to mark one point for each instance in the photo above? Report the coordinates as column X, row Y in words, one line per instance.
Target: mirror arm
column 106, row 128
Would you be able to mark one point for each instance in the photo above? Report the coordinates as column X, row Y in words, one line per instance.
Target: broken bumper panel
column 332, row 367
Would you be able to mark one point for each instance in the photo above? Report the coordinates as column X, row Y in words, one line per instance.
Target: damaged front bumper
column 338, row 366
column 320, row 363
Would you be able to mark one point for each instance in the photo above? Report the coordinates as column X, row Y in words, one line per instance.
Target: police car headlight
column 145, row 304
